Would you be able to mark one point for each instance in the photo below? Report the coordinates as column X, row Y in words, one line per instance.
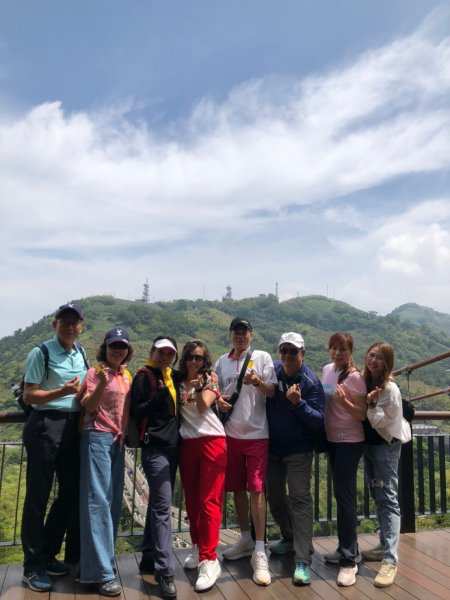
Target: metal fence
column 429, row 470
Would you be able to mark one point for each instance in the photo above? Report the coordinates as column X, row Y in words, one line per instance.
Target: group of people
column 245, row 424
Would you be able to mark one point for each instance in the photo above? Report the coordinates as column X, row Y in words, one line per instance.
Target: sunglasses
column 195, row 357
column 289, row 351
column 118, row 346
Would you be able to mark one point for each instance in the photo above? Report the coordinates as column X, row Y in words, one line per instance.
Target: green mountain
column 422, row 315
column 316, row 317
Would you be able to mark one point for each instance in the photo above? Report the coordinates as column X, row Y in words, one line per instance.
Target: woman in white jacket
column 385, row 431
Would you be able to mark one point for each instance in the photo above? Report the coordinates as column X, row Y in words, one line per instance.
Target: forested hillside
column 316, row 317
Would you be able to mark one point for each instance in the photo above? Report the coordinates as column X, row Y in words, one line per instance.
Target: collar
column 243, row 353
column 60, row 348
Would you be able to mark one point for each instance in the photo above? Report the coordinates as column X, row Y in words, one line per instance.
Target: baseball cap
column 237, row 323
column 165, row 343
column 296, row 339
column 70, row 306
column 118, row 334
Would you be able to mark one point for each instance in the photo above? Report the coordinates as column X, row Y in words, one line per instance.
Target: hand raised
column 294, row 394
column 72, row 386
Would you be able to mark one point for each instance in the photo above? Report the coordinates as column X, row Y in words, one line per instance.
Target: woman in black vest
column 154, row 406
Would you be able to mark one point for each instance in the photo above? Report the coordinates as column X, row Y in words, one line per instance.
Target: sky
column 206, row 143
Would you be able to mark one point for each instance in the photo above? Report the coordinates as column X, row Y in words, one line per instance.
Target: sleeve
column 218, row 371
column 388, row 408
column 311, row 410
column 140, row 397
column 90, row 381
column 356, row 384
column 35, row 367
column 268, row 374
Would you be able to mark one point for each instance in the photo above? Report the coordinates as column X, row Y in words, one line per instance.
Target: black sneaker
column 56, row 568
column 147, row 565
column 166, row 585
column 110, row 588
column 37, row 581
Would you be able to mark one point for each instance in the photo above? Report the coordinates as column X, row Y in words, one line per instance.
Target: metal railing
column 424, row 476
column 428, row 470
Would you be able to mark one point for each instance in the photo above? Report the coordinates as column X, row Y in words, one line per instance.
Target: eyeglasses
column 290, row 351
column 195, row 357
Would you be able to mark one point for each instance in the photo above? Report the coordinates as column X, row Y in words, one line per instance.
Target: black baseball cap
column 238, row 323
column 70, row 306
column 118, row 334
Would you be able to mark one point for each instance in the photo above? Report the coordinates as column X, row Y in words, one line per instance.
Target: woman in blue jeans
column 154, row 405
column 385, row 430
column 105, row 398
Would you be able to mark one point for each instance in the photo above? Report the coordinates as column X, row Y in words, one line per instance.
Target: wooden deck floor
column 424, row 574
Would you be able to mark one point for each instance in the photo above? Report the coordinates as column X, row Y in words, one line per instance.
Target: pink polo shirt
column 340, row 426
column 112, row 413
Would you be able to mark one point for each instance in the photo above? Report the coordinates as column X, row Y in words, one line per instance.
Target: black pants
column 51, row 439
column 344, row 458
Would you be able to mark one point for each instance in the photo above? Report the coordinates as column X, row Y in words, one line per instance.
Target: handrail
column 444, row 391
column 422, row 363
column 432, row 415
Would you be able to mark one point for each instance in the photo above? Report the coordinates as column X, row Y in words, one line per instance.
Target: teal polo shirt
column 63, row 365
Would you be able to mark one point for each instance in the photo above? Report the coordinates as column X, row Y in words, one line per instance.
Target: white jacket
column 387, row 416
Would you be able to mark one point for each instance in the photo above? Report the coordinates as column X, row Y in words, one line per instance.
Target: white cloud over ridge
column 80, row 191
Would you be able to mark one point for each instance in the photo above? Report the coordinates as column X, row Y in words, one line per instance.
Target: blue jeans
column 382, row 473
column 101, row 489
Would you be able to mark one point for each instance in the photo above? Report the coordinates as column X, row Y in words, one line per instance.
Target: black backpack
column 19, row 391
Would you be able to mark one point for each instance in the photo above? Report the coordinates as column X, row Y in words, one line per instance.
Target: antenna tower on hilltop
column 146, row 292
column 276, row 290
column 228, row 293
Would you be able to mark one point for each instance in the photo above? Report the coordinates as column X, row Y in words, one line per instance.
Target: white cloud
column 84, row 185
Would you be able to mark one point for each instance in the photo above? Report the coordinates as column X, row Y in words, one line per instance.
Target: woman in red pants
column 203, row 457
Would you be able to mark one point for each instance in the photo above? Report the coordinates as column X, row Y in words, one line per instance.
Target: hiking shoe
column 147, row 564
column 334, row 558
column 166, row 585
column 347, row 576
column 110, row 588
column 56, row 568
column 37, row 581
column 208, row 573
column 239, row 550
column 386, row 575
column 281, row 547
column 374, row 554
column 191, row 560
column 260, row 564
column 302, row 574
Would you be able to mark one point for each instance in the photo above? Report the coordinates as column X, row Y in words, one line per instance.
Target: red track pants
column 203, row 464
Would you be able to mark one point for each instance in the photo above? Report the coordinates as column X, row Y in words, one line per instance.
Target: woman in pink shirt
column 105, row 399
column 345, row 410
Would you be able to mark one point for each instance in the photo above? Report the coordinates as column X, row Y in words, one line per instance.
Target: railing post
column 406, row 489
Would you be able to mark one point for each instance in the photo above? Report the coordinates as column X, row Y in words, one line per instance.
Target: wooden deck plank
column 283, row 568
column 415, row 589
column 364, row 579
column 64, row 588
column 408, row 547
column 3, row 570
column 14, row 589
column 432, row 545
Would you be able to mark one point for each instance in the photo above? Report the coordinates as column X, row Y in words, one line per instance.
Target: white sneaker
column 208, row 573
column 260, row 564
column 239, row 549
column 191, row 560
column 347, row 576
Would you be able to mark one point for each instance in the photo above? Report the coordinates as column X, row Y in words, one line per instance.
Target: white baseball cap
column 296, row 339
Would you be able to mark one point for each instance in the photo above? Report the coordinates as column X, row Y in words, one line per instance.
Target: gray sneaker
column 373, row 554
column 334, row 558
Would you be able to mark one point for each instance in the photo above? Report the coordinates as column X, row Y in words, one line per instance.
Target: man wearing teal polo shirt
column 51, row 439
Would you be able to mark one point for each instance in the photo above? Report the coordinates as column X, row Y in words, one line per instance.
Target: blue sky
column 201, row 144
